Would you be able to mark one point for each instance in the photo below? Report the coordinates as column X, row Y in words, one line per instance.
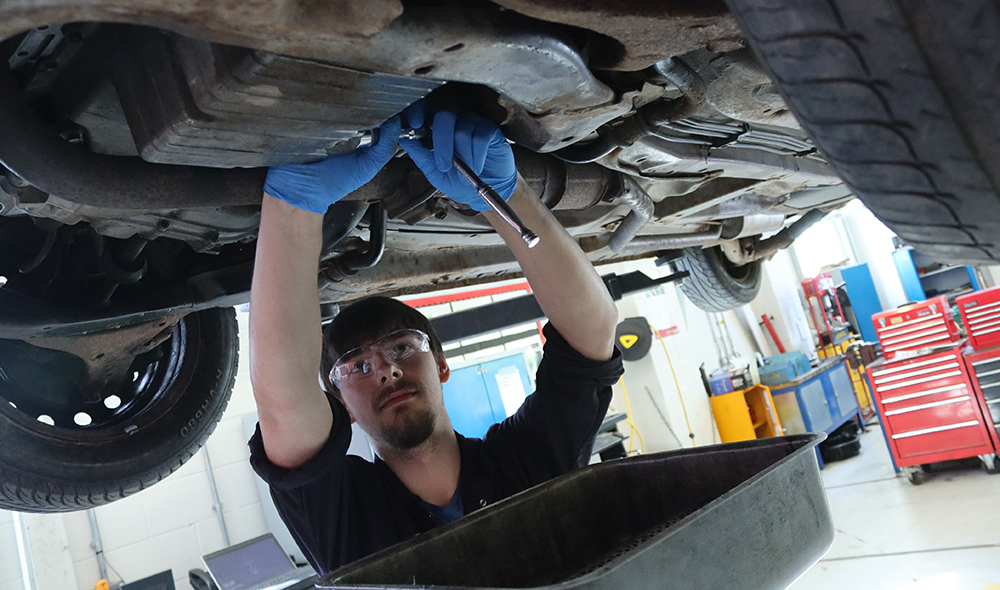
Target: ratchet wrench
column 494, row 200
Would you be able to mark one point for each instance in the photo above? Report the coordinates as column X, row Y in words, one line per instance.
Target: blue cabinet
column 480, row 395
column 864, row 298
column 822, row 400
column 924, row 278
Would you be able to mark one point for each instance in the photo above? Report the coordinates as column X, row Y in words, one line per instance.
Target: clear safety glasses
column 395, row 346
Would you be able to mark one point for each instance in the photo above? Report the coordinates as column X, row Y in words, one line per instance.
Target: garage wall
column 10, row 568
column 172, row 524
column 652, row 393
column 780, row 299
column 872, row 242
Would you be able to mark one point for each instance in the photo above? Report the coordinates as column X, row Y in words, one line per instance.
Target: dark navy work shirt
column 341, row 507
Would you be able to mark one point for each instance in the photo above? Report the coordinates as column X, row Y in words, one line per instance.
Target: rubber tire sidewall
column 711, row 286
column 57, row 474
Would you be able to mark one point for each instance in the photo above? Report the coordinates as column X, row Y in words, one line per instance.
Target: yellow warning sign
column 628, row 340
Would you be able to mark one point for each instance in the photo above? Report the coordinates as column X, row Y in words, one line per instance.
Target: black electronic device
column 254, row 564
column 161, row 581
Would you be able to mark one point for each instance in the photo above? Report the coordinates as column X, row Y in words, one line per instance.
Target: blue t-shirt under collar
column 453, row 511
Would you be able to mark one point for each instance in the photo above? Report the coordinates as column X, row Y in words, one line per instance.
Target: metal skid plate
column 196, row 103
column 749, row 515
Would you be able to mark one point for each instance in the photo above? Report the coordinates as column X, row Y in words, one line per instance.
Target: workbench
column 821, row 400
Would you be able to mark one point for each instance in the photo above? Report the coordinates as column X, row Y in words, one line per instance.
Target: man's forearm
column 565, row 284
column 285, row 336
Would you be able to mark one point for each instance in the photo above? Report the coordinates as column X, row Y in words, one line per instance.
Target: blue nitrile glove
column 314, row 187
column 480, row 144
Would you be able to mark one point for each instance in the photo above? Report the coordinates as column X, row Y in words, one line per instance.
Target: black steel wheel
column 716, row 284
column 901, row 97
column 69, row 441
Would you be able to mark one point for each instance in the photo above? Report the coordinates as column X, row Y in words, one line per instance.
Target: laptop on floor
column 161, row 581
column 257, row 564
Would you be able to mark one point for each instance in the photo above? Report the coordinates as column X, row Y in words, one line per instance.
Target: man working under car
column 384, row 365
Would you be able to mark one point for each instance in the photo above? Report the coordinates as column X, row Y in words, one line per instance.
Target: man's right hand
column 314, row 187
column 476, row 140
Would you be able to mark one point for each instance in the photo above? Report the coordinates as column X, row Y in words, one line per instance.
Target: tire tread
column 922, row 151
column 706, row 289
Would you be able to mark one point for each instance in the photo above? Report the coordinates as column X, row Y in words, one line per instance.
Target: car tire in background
column 715, row 284
column 902, row 98
column 169, row 403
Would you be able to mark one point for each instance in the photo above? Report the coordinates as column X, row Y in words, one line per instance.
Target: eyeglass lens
column 396, row 346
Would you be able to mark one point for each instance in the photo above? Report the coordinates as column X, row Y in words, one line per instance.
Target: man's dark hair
column 367, row 320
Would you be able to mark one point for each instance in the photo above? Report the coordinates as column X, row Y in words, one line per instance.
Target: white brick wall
column 649, row 382
column 10, row 566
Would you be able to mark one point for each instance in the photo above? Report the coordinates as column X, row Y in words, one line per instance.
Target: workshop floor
column 892, row 535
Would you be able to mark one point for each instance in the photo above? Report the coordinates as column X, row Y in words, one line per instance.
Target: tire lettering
column 198, row 415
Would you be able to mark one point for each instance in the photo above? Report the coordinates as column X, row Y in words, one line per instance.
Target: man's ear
column 349, row 414
column 444, row 371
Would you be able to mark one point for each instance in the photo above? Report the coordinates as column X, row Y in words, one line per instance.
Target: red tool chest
column 984, row 367
column 915, row 326
column 981, row 316
column 930, row 410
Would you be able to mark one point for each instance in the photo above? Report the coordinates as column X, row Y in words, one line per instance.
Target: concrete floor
column 892, row 535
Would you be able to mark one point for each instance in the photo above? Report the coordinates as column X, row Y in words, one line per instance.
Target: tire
column 715, row 284
column 167, row 411
column 901, row 97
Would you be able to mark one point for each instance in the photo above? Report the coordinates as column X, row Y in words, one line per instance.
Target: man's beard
column 416, row 426
column 412, row 432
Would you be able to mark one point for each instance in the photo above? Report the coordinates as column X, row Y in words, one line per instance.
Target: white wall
column 781, row 300
column 171, row 524
column 652, row 393
column 10, row 567
column 872, row 242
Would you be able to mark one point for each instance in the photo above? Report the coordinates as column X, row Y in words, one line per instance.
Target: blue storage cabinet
column 937, row 279
column 864, row 298
column 822, row 400
column 480, row 395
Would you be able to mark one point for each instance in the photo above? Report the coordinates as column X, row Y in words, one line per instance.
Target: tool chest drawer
column 916, row 326
column 941, row 443
column 984, row 367
column 981, row 316
column 955, row 410
column 930, row 409
column 924, row 380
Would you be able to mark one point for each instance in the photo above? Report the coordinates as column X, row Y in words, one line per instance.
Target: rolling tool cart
column 981, row 316
column 984, row 367
column 930, row 411
column 916, row 326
